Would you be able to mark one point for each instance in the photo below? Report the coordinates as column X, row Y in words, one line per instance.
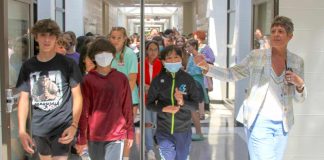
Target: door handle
column 11, row 100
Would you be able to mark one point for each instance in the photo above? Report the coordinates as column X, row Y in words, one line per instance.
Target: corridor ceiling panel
column 161, row 11
column 150, row 2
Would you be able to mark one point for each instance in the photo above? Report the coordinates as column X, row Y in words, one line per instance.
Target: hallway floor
column 222, row 141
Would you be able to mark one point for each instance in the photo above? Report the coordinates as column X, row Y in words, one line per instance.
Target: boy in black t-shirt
column 52, row 81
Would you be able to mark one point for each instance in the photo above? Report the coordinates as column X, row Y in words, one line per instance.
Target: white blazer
column 257, row 66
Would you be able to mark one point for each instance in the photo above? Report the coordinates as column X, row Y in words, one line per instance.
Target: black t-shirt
column 49, row 85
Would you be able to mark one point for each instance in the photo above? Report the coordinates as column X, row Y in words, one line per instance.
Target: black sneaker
column 137, row 124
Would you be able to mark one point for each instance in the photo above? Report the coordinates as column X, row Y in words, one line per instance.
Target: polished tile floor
column 223, row 140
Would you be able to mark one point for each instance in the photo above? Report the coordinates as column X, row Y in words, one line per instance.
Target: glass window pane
column 59, row 3
column 18, row 23
column 59, row 18
column 231, row 27
column 232, row 4
column 18, row 53
column 263, row 14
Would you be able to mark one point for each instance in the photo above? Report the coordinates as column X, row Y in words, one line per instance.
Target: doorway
column 15, row 21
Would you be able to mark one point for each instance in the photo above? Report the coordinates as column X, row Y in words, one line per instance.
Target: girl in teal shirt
column 125, row 61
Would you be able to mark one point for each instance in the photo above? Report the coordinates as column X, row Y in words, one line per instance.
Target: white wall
column 74, row 14
column 306, row 139
column 175, row 19
column 242, row 44
column 180, row 19
column 188, row 22
column 121, row 18
column 92, row 16
column 217, row 40
column 172, row 21
column 112, row 16
column 131, row 26
column 167, row 24
column 200, row 19
column 74, row 17
column 46, row 9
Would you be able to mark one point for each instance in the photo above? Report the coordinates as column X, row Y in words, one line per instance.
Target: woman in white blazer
column 276, row 78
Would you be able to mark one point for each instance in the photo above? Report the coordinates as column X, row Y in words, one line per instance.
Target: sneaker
column 85, row 155
column 151, row 155
column 137, row 124
column 197, row 137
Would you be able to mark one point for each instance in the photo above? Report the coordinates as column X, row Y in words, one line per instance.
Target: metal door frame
column 4, row 72
column 142, row 82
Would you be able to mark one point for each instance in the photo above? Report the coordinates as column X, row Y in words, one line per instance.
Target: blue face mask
column 173, row 67
column 161, row 48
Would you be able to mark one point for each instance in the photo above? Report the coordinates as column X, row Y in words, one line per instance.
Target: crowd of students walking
column 97, row 101
column 88, row 86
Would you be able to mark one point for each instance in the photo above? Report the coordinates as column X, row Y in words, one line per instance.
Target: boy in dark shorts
column 52, row 82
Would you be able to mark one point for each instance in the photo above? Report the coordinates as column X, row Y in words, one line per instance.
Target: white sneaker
column 151, row 155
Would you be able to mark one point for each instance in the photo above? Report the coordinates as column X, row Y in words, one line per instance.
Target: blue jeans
column 150, row 117
column 267, row 140
column 174, row 147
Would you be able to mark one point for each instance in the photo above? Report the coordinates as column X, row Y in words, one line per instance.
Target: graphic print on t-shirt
column 46, row 89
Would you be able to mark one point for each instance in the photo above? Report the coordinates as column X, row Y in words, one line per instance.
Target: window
column 263, row 13
column 230, row 60
column 60, row 13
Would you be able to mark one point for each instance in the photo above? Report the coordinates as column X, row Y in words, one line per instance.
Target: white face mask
column 104, row 59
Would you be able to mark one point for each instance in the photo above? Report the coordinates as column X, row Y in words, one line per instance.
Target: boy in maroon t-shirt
column 107, row 119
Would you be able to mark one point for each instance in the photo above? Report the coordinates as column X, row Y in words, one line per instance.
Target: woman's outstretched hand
column 201, row 62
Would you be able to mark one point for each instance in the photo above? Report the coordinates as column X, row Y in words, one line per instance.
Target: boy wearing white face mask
column 173, row 95
column 107, row 118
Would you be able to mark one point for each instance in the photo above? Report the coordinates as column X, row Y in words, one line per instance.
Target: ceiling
column 131, row 3
column 153, row 15
column 159, row 11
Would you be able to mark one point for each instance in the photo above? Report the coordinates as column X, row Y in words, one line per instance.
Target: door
column 16, row 23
